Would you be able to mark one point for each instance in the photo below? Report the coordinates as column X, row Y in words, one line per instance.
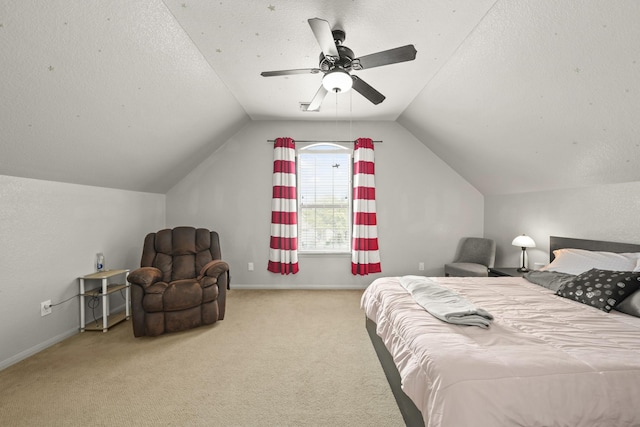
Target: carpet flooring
column 279, row 358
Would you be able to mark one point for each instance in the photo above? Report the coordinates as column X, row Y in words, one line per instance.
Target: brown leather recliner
column 181, row 282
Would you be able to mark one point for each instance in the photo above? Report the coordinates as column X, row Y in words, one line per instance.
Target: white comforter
column 545, row 360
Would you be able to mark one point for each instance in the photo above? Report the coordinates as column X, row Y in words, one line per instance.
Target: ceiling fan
column 337, row 61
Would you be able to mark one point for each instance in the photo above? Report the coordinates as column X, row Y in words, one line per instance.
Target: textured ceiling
column 106, row 93
column 242, row 39
column 543, row 95
column 516, row 96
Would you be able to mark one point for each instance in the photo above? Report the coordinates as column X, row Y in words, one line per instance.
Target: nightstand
column 505, row 271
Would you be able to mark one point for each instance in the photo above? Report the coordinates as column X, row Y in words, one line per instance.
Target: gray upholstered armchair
column 474, row 258
column 181, row 282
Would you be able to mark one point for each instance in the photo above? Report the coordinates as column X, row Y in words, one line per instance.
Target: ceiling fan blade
column 315, row 103
column 386, row 57
column 322, row 30
column 290, row 72
column 367, row 91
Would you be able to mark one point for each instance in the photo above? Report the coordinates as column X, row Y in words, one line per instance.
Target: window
column 324, row 204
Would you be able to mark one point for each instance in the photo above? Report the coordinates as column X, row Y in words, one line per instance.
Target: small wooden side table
column 104, row 291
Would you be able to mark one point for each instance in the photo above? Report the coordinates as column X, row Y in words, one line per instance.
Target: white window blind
column 324, row 205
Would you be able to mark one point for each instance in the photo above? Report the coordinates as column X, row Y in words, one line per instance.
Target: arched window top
column 325, row 147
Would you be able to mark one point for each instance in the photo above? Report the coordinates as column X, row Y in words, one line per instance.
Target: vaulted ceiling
column 516, row 96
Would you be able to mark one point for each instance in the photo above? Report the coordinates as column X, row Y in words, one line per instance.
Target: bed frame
column 591, row 245
column 411, row 414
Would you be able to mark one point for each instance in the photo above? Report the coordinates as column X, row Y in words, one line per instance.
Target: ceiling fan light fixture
column 337, row 80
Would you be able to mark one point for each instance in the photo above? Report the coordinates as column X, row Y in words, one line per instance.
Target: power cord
column 62, row 302
column 93, row 303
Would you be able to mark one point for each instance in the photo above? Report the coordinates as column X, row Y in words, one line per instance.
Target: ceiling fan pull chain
column 337, row 117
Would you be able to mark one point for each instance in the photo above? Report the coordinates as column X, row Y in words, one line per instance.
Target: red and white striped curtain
column 283, row 250
column 365, row 257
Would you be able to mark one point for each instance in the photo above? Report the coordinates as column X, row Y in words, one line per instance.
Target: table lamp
column 524, row 242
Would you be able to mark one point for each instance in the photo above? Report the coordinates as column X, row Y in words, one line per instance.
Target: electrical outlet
column 250, row 266
column 45, row 307
column 421, row 266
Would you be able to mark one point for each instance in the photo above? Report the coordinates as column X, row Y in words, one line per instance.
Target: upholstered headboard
column 556, row 242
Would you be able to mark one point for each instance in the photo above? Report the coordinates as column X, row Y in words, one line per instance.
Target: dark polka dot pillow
column 602, row 289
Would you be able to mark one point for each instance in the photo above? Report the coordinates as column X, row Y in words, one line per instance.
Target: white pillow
column 577, row 261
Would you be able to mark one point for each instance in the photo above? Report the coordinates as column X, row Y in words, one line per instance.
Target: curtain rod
column 324, row 140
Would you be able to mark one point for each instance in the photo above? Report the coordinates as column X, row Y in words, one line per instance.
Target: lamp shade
column 524, row 241
column 337, row 80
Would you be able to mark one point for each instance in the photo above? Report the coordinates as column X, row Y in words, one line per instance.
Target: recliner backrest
column 181, row 252
column 477, row 250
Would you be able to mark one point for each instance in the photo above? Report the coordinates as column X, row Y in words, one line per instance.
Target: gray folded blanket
column 548, row 279
column 445, row 304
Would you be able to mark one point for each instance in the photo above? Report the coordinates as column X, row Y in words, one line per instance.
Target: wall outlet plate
column 45, row 307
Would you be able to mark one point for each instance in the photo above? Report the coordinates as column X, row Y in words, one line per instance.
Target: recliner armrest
column 145, row 276
column 214, row 269
column 466, row 269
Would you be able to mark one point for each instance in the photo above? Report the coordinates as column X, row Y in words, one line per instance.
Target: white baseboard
column 48, row 343
column 37, row 348
column 301, row 287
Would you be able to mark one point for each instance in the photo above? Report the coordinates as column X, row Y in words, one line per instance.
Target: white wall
column 50, row 233
column 424, row 207
column 608, row 212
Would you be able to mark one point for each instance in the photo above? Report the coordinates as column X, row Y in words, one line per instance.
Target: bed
column 545, row 360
